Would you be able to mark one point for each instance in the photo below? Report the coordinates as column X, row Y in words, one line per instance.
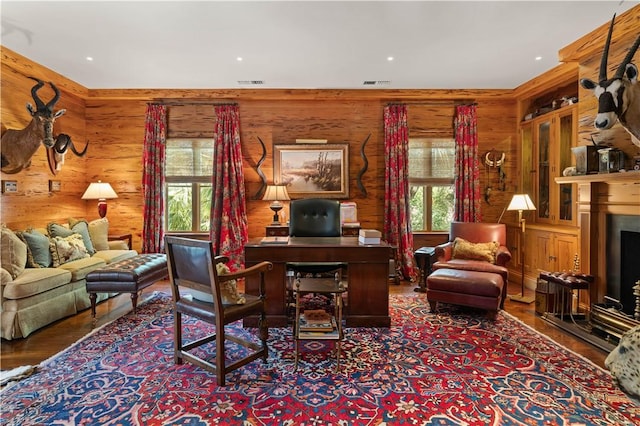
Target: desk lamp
column 275, row 194
column 521, row 202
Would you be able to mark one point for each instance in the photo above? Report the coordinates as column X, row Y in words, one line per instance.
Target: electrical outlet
column 9, row 186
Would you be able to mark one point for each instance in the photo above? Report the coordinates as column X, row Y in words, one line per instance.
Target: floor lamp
column 521, row 202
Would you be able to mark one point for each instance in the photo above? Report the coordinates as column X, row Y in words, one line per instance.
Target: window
column 431, row 180
column 188, row 171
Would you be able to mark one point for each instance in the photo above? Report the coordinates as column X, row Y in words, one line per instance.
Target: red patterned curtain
column 229, row 232
column 153, row 158
column 397, row 223
column 467, row 173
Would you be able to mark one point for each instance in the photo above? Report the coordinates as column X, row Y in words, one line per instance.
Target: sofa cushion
column 110, row 256
column 35, row 281
column 81, row 267
column 13, row 252
column 5, row 277
column 82, row 227
column 66, row 249
column 38, row 245
column 99, row 231
column 463, row 249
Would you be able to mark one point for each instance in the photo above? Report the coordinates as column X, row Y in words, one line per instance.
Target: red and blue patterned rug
column 455, row 368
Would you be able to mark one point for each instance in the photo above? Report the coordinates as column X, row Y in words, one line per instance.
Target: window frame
column 196, row 182
column 428, row 184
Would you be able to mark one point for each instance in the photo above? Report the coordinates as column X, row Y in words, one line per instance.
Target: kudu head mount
column 18, row 146
column 619, row 96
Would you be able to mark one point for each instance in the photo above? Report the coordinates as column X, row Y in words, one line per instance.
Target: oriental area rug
column 453, row 368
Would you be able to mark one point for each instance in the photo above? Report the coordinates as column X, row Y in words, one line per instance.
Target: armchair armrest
column 503, row 256
column 444, row 251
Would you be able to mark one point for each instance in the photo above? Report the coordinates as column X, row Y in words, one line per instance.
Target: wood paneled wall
column 112, row 121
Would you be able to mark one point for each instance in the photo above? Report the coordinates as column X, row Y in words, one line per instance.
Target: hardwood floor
column 52, row 339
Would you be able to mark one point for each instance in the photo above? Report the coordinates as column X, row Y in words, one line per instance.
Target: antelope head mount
column 619, row 96
column 18, row 146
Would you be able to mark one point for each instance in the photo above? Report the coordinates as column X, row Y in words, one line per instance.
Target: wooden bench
column 126, row 276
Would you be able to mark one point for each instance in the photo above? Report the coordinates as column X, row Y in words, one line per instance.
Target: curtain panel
column 153, row 162
column 397, row 223
column 229, row 232
column 467, row 206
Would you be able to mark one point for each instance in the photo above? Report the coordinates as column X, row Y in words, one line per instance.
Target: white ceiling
column 300, row 44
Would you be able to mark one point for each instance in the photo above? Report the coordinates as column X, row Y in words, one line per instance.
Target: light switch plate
column 55, row 185
column 9, row 186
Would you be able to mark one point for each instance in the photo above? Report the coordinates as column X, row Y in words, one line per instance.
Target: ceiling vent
column 250, row 82
column 376, row 82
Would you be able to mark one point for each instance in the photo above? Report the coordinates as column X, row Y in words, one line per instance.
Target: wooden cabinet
column 552, row 137
column 549, row 251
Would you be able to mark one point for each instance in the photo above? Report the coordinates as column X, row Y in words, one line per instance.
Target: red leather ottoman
column 127, row 276
column 466, row 288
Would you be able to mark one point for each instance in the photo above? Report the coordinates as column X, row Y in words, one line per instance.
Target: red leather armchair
column 476, row 232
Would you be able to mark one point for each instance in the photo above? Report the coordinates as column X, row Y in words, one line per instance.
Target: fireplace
column 620, row 310
column 623, row 263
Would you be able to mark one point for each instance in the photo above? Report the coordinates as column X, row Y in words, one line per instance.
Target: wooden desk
column 367, row 269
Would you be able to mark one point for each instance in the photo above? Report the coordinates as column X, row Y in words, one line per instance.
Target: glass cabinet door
column 566, row 195
column 544, row 170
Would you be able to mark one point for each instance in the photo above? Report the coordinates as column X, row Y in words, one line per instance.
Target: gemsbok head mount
column 619, row 96
column 18, row 146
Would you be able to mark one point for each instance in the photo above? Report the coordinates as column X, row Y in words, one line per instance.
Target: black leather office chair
column 314, row 217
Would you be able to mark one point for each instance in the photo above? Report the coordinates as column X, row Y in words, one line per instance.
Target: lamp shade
column 521, row 202
column 99, row 191
column 276, row 193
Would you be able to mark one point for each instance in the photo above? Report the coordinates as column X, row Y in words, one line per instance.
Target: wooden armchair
column 192, row 265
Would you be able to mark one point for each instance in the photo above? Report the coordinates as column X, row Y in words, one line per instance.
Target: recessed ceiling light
column 239, row 59
column 538, row 58
column 89, row 58
column 389, row 58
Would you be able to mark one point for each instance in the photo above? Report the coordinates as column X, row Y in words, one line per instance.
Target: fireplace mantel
column 599, row 195
column 620, row 177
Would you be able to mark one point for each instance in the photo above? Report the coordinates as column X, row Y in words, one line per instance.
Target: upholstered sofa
column 43, row 272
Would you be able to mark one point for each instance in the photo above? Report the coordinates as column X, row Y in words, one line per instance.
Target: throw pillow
column 82, row 227
column 66, row 249
column 99, row 232
column 463, row 249
column 57, row 230
column 38, row 246
column 13, row 252
column 229, row 289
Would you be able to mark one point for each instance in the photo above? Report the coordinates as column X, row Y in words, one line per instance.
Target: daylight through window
column 188, row 171
column 431, row 180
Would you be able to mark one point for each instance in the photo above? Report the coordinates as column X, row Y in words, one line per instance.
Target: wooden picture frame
column 312, row 170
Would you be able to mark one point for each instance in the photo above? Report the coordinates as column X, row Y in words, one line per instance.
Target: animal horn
column 605, row 53
column 39, row 104
column 627, row 59
column 53, row 101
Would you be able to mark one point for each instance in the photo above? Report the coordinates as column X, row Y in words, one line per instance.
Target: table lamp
column 521, row 202
column 275, row 194
column 100, row 191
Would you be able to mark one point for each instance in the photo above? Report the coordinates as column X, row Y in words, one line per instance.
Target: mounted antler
column 18, row 146
column 618, row 97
